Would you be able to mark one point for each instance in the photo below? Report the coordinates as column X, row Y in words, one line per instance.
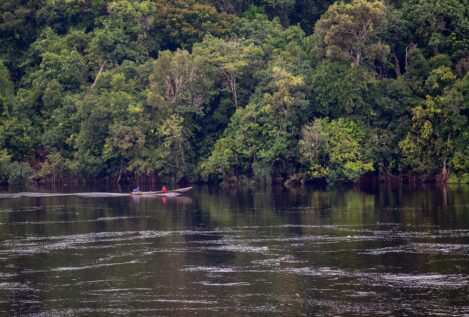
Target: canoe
column 169, row 193
column 144, row 193
column 181, row 190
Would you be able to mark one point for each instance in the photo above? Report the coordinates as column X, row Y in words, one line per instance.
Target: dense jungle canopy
column 232, row 91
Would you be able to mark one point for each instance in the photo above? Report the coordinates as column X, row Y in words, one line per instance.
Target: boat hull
column 170, row 193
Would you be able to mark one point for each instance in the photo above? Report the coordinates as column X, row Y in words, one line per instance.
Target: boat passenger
column 164, row 190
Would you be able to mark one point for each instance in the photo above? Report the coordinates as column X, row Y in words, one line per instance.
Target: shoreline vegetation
column 234, row 92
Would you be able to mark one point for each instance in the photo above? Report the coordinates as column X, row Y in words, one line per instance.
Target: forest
column 234, row 91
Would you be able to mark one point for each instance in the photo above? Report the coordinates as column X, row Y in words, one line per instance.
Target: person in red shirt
column 164, row 190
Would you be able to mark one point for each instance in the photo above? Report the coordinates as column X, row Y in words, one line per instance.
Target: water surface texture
column 303, row 252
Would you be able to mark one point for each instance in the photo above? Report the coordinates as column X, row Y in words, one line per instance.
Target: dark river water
column 304, row 252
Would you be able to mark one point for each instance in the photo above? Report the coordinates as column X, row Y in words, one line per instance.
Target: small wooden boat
column 169, row 193
column 181, row 190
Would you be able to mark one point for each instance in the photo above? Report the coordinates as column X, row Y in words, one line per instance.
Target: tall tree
column 230, row 58
column 182, row 23
column 262, row 136
column 347, row 31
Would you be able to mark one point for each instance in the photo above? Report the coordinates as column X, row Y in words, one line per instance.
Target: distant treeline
column 234, row 91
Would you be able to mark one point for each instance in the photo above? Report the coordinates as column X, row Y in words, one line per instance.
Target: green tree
column 179, row 83
column 127, row 33
column 440, row 26
column 173, row 155
column 18, row 29
column 428, row 147
column 182, row 23
column 339, row 89
column 348, row 31
column 61, row 15
column 334, row 150
column 179, row 92
column 124, row 144
column 6, row 91
column 262, row 136
column 230, row 58
column 392, row 105
column 459, row 164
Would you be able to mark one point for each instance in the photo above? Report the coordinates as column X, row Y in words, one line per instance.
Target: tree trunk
column 233, row 90
column 232, row 82
column 397, row 67
column 444, row 175
column 120, row 174
column 407, row 49
column 98, row 75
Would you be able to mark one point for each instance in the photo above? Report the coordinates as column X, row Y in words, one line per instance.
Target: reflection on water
column 387, row 251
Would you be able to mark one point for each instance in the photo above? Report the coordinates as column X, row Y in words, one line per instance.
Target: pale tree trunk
column 231, row 78
column 444, row 175
column 407, row 49
column 234, row 92
column 120, row 173
column 98, row 75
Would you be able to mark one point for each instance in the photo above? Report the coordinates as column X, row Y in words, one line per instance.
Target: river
column 299, row 252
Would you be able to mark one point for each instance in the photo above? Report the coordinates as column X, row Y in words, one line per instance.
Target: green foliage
column 126, row 33
column 334, row 150
column 186, row 22
column 261, row 136
column 429, row 145
column 5, row 161
column 12, row 172
column 237, row 91
column 440, row 25
column 179, row 83
column 228, row 59
column 339, row 89
column 55, row 166
column 348, row 31
column 6, row 90
column 460, row 166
